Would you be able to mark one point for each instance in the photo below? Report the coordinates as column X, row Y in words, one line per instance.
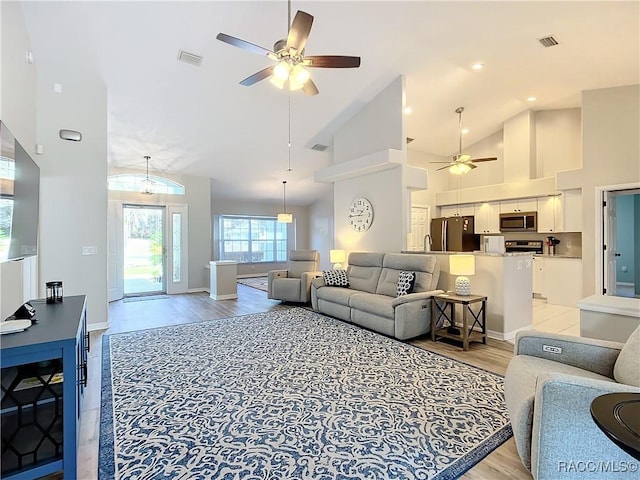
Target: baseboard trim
column 507, row 336
column 198, row 290
column 228, row 296
column 252, row 275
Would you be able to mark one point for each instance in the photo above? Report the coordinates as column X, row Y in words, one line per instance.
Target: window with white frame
column 132, row 182
column 250, row 239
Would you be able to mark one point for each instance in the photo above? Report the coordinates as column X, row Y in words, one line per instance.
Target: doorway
column 144, row 250
column 621, row 245
column 418, row 239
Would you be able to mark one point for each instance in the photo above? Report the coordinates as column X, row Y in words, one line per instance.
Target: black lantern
column 54, row 292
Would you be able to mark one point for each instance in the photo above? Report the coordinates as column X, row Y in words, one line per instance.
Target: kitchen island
column 506, row 280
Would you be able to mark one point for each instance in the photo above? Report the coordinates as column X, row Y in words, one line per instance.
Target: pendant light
column 284, row 217
column 148, row 185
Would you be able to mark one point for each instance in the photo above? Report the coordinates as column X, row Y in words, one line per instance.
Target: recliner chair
column 549, row 386
column 294, row 283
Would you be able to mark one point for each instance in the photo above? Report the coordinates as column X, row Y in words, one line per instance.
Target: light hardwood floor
column 502, row 463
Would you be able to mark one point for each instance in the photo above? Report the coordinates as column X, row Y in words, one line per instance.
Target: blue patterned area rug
column 290, row 395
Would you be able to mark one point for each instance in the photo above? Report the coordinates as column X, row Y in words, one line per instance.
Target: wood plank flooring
column 503, row 463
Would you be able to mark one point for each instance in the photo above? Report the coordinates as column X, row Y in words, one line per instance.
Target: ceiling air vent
column 548, row 41
column 190, row 58
column 409, row 140
column 319, row 147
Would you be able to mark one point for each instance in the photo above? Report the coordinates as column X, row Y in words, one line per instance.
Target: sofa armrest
column 412, row 297
column 590, row 354
column 564, row 433
column 306, row 279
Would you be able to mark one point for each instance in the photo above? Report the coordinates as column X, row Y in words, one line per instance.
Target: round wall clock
column 360, row 214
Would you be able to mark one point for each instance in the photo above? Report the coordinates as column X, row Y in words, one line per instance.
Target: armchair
column 294, row 283
column 549, row 386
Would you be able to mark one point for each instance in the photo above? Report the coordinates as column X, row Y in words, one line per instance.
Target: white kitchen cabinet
column 519, row 205
column 487, row 217
column 572, row 210
column 550, row 214
column 539, row 280
column 457, row 210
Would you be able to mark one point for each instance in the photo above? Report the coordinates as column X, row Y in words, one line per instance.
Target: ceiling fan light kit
column 292, row 65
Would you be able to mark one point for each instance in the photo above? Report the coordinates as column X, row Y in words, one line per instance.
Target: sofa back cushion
column 301, row 261
column 426, row 268
column 364, row 270
column 626, row 368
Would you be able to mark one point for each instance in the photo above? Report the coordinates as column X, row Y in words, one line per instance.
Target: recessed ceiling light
column 477, row 66
column 531, row 99
column 407, row 110
column 464, row 131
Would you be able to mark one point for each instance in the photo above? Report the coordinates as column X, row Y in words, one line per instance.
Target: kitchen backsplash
column 570, row 243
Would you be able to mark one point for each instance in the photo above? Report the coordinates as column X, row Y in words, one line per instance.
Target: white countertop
column 477, row 253
column 546, row 255
column 611, row 304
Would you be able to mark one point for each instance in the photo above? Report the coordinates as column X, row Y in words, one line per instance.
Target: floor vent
column 190, row 58
column 319, row 147
column 548, row 41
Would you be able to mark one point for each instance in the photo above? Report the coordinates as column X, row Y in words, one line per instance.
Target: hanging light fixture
column 148, row 185
column 284, row 217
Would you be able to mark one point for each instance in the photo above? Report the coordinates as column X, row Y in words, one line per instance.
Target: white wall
column 558, row 141
column 73, row 188
column 611, row 156
column 322, row 229
column 197, row 198
column 18, row 112
column 519, row 147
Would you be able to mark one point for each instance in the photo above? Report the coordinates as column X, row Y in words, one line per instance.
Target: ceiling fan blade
column 331, row 61
column 442, row 168
column 461, row 158
column 243, row 44
column 309, row 88
column 299, row 31
column 488, row 159
column 256, row 77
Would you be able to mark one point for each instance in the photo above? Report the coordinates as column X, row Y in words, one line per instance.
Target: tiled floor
column 555, row 318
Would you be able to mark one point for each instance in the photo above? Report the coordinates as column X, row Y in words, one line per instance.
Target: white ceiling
column 200, row 121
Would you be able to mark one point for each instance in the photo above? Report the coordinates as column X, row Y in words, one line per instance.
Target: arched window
column 132, row 182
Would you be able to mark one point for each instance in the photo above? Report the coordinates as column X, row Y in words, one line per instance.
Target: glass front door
column 144, row 250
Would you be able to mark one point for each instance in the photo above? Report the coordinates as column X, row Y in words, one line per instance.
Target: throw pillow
column 335, row 278
column 406, row 282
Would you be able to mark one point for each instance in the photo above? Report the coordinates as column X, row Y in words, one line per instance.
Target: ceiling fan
column 292, row 64
column 462, row 162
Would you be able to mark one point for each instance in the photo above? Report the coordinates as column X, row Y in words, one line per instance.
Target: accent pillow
column 335, row 278
column 406, row 282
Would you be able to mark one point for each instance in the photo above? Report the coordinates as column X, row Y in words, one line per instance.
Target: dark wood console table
column 44, row 373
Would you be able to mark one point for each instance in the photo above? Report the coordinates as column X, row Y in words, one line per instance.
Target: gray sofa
column 549, row 386
column 370, row 300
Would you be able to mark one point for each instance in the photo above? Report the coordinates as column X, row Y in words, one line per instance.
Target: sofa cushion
column 388, row 282
column 406, row 281
column 520, row 390
column 364, row 270
column 335, row 294
column 335, row 278
column 426, row 268
column 372, row 303
column 626, row 368
column 301, row 261
column 287, row 289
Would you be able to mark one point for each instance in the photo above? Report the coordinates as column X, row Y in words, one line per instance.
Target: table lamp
column 462, row 265
column 337, row 257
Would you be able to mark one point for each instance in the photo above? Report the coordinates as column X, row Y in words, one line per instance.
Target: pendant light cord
column 289, row 168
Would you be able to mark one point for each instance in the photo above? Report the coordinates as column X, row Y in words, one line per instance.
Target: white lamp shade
column 462, row 264
column 285, row 218
column 337, row 256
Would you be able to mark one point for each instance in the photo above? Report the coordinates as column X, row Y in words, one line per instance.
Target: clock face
column 360, row 214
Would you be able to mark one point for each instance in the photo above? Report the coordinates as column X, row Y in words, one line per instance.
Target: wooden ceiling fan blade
column 243, row 44
column 309, row 88
column 331, row 61
column 442, row 168
column 256, row 77
column 488, row 159
column 299, row 31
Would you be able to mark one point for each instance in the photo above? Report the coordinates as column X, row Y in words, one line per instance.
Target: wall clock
column 360, row 215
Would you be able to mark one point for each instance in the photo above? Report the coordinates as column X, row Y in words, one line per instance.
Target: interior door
column 419, row 229
column 610, row 255
column 115, row 259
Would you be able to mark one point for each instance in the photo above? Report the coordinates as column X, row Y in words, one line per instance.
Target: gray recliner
column 549, row 386
column 294, row 283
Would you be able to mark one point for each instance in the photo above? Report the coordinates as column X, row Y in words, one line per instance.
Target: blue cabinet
column 44, row 373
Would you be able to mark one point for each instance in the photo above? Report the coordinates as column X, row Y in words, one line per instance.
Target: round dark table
column 618, row 416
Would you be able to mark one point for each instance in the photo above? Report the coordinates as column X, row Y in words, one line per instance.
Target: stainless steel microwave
column 519, row 222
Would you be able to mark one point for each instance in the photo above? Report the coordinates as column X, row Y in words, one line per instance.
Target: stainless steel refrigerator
column 454, row 234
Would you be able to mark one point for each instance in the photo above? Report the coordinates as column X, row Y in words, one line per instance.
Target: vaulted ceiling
column 198, row 120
